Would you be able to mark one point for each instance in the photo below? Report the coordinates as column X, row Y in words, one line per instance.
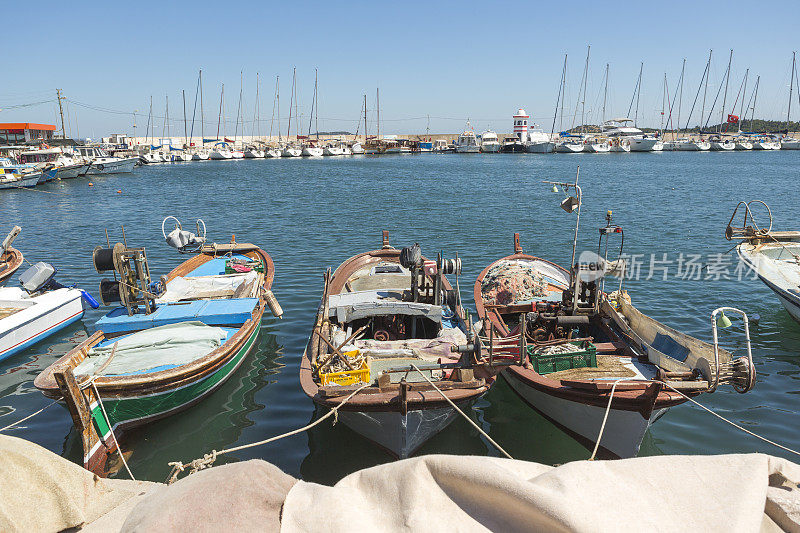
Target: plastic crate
column 346, row 377
column 583, row 357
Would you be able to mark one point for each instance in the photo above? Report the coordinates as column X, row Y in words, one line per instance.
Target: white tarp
column 180, row 288
column 729, row 493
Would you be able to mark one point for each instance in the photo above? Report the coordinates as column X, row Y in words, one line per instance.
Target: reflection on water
column 312, row 214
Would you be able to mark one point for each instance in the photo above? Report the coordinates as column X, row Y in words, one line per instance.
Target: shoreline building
column 14, row 133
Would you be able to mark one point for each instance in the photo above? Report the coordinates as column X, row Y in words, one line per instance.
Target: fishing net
column 513, row 281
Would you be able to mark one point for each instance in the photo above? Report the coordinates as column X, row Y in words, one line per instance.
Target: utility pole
column 61, row 112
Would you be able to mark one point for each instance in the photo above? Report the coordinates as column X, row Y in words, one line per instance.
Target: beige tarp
column 40, row 491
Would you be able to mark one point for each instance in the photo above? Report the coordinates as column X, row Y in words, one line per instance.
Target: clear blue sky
column 449, row 60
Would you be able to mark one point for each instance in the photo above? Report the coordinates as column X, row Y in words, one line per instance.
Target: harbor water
column 310, row 214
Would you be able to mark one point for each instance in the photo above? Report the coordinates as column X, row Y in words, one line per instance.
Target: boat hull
column 51, row 312
column 400, row 434
column 722, row 147
column 623, row 432
column 790, row 144
column 644, row 144
column 121, row 166
column 311, row 151
column 71, row 171
column 570, row 148
column 540, row 147
column 491, row 148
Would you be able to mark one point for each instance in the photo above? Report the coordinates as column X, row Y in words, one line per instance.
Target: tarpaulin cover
column 173, row 345
column 753, row 492
column 180, row 288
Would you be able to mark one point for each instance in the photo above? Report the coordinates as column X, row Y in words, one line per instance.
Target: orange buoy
column 91, row 184
column 119, row 191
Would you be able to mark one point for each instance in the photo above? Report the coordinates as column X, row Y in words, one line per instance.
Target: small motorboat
column 13, row 176
column 10, row 258
column 37, row 309
column 587, row 360
column 391, row 329
column 100, row 162
column 169, row 344
column 772, row 255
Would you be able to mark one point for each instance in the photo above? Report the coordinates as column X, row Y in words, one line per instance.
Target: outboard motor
column 39, row 277
column 182, row 240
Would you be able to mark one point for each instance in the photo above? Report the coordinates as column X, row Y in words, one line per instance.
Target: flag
column 733, row 119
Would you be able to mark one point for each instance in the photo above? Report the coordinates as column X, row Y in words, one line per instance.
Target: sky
column 437, row 64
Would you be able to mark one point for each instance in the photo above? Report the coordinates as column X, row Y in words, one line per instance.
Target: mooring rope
column 28, row 417
column 111, row 430
column 208, row 459
column 605, row 418
column 737, row 426
column 481, row 431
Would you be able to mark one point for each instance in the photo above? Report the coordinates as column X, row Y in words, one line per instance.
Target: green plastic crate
column 585, row 356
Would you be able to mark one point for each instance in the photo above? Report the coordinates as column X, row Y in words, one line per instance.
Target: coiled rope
column 208, row 459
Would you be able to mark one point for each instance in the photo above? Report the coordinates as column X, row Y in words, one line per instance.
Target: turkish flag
column 733, row 119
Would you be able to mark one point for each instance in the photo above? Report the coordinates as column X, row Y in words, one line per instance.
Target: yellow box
column 347, row 377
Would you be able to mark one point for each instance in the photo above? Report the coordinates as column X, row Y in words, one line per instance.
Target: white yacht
column 789, row 143
column 489, row 142
column 311, row 150
column 597, row 146
column 637, row 141
column 180, row 156
column 719, row 144
column 539, row 142
column 102, row 163
column 570, row 144
column 291, row 151
column 766, row 143
column 357, row 148
column 220, row 151
column 467, row 142
column 620, row 145
column 742, row 143
column 66, row 166
column 200, row 155
column 273, row 152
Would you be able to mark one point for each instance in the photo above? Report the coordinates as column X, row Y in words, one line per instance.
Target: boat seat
column 231, row 312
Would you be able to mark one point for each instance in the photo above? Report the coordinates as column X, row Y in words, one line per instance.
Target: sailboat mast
column 680, row 98
column 202, row 118
column 239, row 109
column 791, row 87
column 256, row 131
column 605, row 95
column 742, row 110
column 563, row 94
column 755, row 98
column 185, row 131
column 277, row 105
column 365, row 118
column 705, row 91
column 663, row 104
column 583, row 101
column 219, row 115
column 313, row 105
column 638, row 94
column 558, row 98
column 150, row 131
column 378, row 109
column 316, row 116
column 166, row 122
column 291, row 100
column 296, row 107
column 725, row 96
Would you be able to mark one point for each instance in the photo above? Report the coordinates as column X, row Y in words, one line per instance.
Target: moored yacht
column 220, row 151
column 467, row 142
column 570, row 144
column 637, row 141
column 102, row 163
column 719, row 144
column 539, row 142
column 489, row 142
column 742, row 143
column 291, row 150
column 253, row 152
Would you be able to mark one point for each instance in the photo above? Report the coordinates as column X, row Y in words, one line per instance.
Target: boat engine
column 39, row 277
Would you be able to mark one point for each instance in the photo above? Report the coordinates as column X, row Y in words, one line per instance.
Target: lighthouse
column 521, row 125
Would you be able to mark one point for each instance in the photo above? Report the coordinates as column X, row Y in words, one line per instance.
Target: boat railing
column 739, row 372
column 749, row 228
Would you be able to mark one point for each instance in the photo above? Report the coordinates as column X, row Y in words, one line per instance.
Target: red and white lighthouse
column 521, row 125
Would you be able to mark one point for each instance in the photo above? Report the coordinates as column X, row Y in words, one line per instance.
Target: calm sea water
column 312, row 214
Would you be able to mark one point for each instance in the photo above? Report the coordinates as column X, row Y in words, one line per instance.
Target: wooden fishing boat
column 391, row 327
column 774, row 256
column 153, row 357
column 10, row 258
column 586, row 359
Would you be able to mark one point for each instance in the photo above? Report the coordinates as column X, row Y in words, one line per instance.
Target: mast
column 313, row 105
column 166, row 122
column 680, row 99
column 791, row 87
column 296, row 107
column 149, row 118
column 638, row 94
column 563, row 94
column 316, row 101
column 605, row 95
column 725, row 96
column 185, row 131
column 559, row 99
column 239, row 109
column 583, row 103
column 705, row 91
column 272, row 120
column 256, row 131
column 742, row 110
column 365, row 118
column 278, row 105
column 378, row 109
column 219, row 115
column 202, row 118
column 291, row 99
column 663, row 106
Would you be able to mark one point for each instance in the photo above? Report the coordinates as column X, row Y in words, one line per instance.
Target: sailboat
column 236, row 153
column 252, row 151
column 221, row 149
column 292, row 150
column 791, row 143
column 685, row 143
column 199, row 154
column 311, row 148
column 718, row 142
column 574, row 143
column 151, row 156
column 545, row 145
column 181, row 155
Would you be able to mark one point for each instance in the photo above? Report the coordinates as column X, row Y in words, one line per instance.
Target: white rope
column 111, row 430
column 476, row 426
column 28, row 417
column 605, row 418
column 208, row 459
column 782, row 447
